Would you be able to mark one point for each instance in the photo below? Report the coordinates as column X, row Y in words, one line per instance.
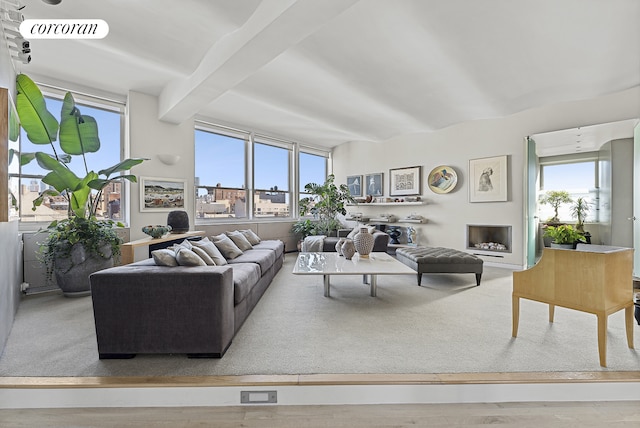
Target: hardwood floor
column 521, row 415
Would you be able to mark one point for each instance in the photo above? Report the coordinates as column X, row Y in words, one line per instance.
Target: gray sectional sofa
column 143, row 308
column 380, row 241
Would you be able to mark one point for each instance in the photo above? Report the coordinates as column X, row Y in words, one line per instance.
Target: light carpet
column 446, row 326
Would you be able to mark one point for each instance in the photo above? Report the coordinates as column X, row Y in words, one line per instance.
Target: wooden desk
column 593, row 278
column 128, row 248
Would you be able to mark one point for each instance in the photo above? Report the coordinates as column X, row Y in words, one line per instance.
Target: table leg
column 326, row 285
column 374, row 285
column 628, row 317
column 365, row 279
column 552, row 309
column 602, row 338
column 515, row 313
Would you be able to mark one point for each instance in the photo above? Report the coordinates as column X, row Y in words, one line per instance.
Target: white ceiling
column 325, row 72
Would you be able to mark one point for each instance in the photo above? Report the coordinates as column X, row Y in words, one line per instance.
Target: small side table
column 127, row 249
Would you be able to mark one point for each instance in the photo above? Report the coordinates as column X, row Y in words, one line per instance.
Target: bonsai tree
column 564, row 234
column 77, row 135
column 327, row 200
column 579, row 211
column 555, row 198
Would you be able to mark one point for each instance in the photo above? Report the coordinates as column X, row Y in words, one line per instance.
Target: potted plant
column 555, row 198
column 327, row 201
column 302, row 229
column 81, row 244
column 563, row 236
column 579, row 211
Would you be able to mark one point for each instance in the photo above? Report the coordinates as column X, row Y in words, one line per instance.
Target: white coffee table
column 327, row 264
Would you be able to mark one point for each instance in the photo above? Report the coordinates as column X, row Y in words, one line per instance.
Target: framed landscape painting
column 354, row 183
column 162, row 194
column 488, row 179
column 404, row 181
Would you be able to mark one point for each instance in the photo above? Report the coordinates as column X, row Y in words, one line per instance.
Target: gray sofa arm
column 156, row 309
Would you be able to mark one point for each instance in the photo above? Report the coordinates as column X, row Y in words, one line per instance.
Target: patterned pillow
column 187, row 257
column 211, row 250
column 164, row 257
column 226, row 246
column 251, row 236
column 240, row 240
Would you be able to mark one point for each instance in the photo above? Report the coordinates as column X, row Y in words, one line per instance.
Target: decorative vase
column 363, row 242
column 339, row 246
column 394, row 232
column 179, row 221
column 348, row 249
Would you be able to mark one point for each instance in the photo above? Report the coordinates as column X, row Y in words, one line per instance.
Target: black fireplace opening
column 489, row 238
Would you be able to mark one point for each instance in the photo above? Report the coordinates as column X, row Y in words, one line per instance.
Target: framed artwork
column 162, row 194
column 354, row 183
column 374, row 184
column 442, row 179
column 488, row 179
column 404, row 181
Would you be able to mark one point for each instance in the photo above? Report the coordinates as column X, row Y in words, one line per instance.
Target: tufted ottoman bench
column 439, row 260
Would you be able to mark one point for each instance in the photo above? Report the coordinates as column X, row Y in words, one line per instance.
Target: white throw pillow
column 240, row 240
column 251, row 236
column 211, row 250
column 187, row 257
column 164, row 257
column 226, row 246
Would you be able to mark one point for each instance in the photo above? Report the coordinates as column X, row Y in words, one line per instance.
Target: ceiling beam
column 272, row 29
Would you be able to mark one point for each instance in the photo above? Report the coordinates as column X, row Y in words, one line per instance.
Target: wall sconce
column 168, row 159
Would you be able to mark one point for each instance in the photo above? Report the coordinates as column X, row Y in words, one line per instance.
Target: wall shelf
column 364, row 204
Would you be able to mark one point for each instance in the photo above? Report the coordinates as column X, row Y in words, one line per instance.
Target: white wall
column 449, row 214
column 149, row 137
column 10, row 250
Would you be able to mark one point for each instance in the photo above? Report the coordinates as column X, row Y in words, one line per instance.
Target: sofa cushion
column 186, row 257
column 264, row 258
column 271, row 244
column 226, row 246
column 251, row 236
column 164, row 257
column 211, row 250
column 203, row 255
column 240, row 240
column 245, row 276
column 356, row 230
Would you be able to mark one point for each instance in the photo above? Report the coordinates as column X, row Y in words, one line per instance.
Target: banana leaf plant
column 77, row 135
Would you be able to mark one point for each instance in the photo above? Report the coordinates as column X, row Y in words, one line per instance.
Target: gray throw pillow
column 211, row 250
column 164, row 257
column 251, row 236
column 203, row 255
column 187, row 257
column 240, row 240
column 226, row 246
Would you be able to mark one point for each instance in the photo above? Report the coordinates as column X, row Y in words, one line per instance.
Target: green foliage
column 579, row 210
column 98, row 237
column 304, row 228
column 78, row 135
column 563, row 234
column 327, row 200
column 555, row 198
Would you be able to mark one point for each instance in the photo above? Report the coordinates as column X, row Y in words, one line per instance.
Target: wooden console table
column 593, row 278
column 128, row 248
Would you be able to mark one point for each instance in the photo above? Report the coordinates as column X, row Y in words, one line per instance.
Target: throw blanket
column 313, row 244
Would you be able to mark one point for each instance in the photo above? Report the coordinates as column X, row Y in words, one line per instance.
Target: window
column 109, row 116
column 271, row 160
column 578, row 176
column 226, row 159
column 220, row 160
column 312, row 169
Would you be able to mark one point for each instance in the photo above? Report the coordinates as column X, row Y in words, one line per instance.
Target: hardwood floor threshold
column 318, row 379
